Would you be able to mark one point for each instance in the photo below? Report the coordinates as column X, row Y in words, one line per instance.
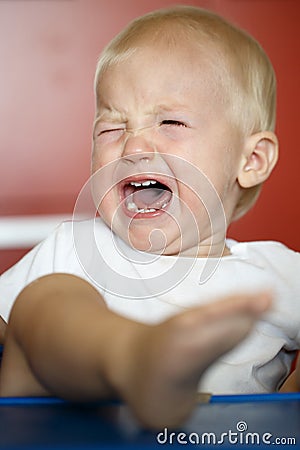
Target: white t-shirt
column 151, row 288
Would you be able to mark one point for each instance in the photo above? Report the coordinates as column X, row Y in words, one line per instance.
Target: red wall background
column 48, row 52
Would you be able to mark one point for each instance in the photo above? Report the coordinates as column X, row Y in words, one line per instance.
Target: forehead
column 181, row 69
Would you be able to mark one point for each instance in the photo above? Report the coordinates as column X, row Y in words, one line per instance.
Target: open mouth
column 143, row 197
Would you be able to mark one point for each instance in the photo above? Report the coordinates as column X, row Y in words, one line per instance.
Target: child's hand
column 172, row 356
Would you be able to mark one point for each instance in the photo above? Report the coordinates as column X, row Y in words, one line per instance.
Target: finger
column 253, row 304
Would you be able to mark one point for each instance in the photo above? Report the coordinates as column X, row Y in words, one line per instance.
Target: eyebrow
column 111, row 113
column 172, row 107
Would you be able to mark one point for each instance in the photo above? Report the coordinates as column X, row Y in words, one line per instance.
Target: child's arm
column 2, row 330
column 62, row 340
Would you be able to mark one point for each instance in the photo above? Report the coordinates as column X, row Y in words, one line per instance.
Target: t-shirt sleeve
column 47, row 257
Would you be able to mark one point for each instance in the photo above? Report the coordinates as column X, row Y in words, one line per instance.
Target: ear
column 259, row 158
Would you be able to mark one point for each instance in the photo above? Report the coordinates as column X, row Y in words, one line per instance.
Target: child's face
column 161, row 121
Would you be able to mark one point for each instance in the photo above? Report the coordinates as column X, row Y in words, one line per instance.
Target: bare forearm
column 62, row 340
column 66, row 342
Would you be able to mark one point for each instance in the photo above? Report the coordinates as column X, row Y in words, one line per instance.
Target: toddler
column 125, row 303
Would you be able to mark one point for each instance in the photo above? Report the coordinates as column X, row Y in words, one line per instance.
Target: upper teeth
column 144, row 183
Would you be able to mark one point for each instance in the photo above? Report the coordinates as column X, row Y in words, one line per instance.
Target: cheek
column 200, row 199
column 105, row 196
column 96, row 159
column 99, row 160
column 104, row 155
column 108, row 208
column 105, row 208
column 190, row 202
column 213, row 170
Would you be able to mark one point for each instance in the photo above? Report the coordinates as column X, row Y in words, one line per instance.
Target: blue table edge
column 238, row 398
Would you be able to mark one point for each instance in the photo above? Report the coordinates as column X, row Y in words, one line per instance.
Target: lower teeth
column 134, row 208
column 131, row 206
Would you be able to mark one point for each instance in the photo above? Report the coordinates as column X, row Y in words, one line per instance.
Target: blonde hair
column 243, row 71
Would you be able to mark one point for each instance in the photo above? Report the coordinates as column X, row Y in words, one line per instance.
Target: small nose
column 138, row 146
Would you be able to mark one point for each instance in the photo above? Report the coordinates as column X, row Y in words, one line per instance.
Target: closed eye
column 173, row 122
column 109, row 130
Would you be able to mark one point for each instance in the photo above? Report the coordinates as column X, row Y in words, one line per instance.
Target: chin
column 151, row 241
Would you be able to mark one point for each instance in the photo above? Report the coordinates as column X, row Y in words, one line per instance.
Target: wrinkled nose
column 138, row 146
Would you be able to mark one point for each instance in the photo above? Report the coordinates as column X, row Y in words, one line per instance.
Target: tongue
column 151, row 198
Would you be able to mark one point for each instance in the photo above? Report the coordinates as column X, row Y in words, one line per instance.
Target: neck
column 212, row 247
